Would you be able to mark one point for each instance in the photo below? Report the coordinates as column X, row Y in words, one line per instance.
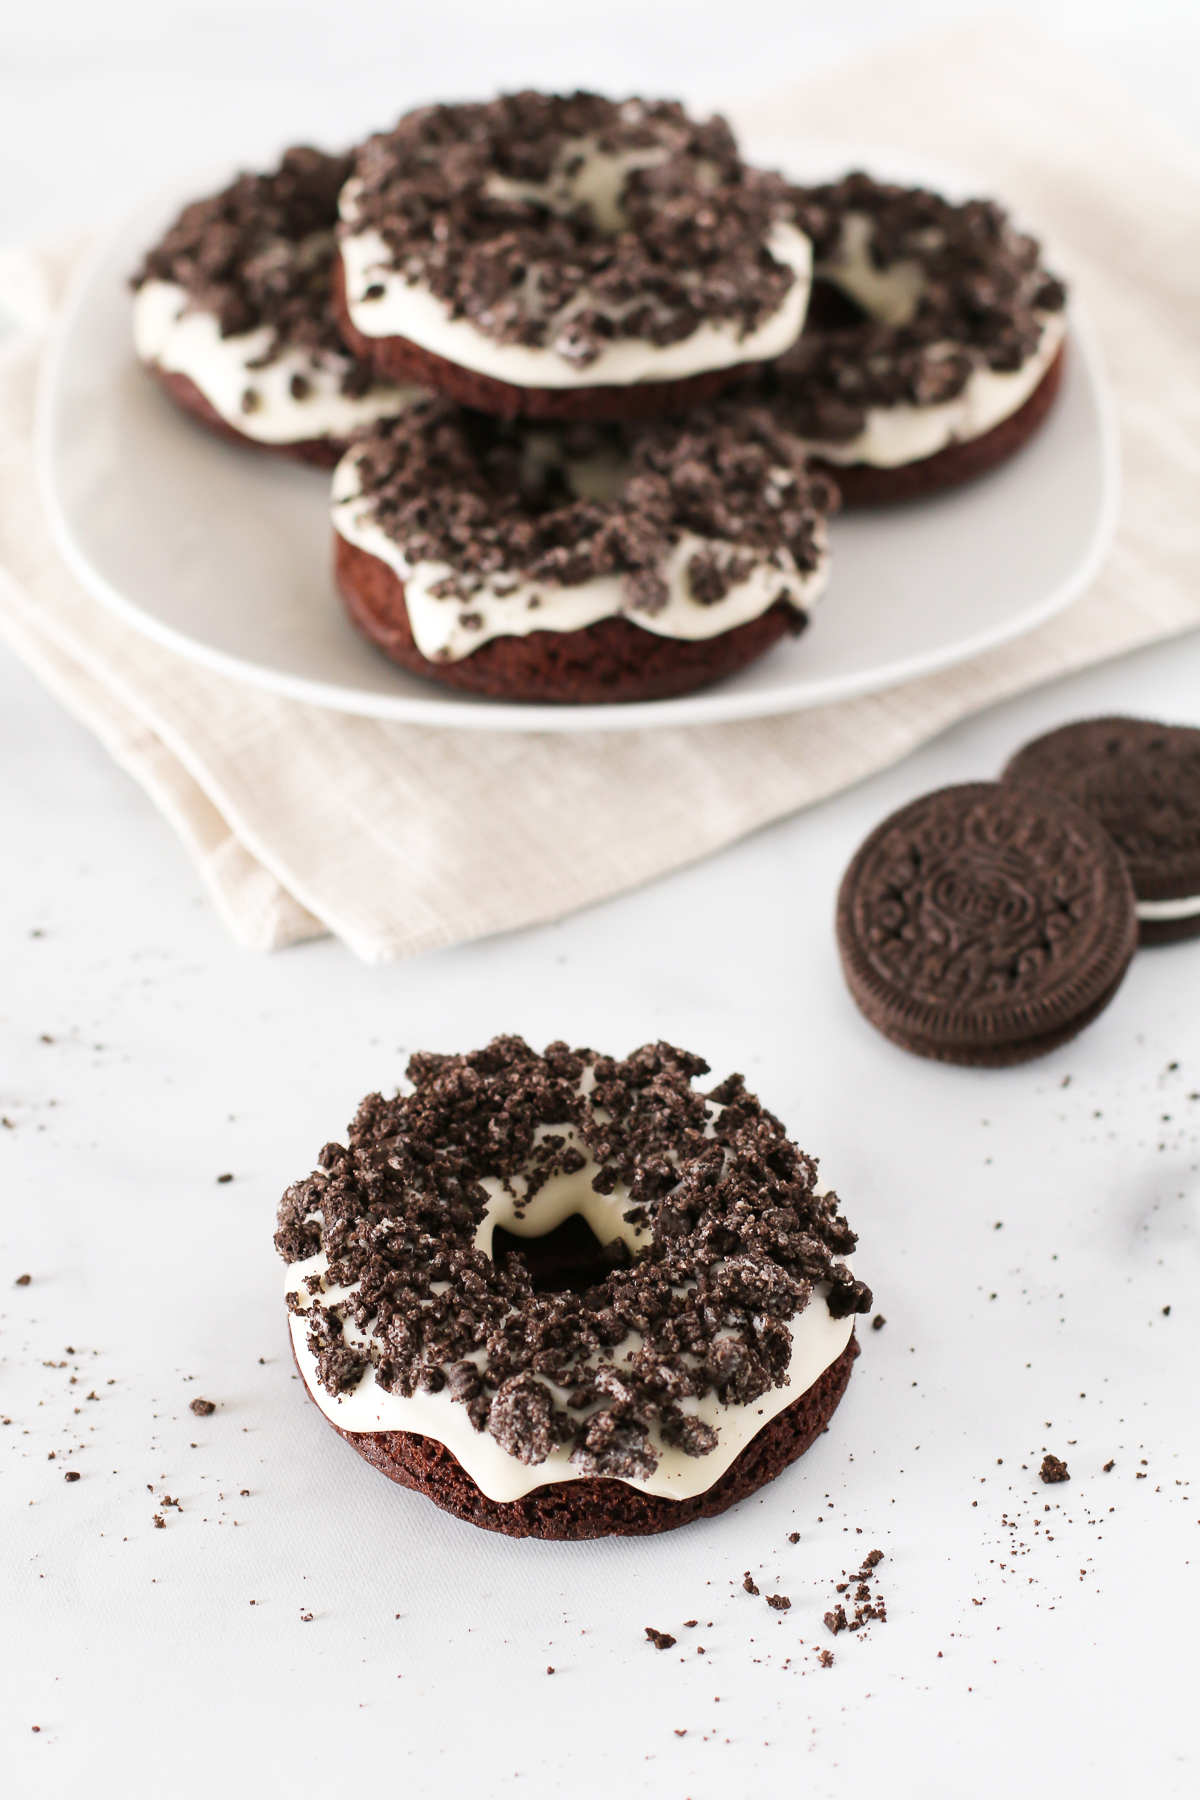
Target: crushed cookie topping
column 984, row 295
column 494, row 499
column 479, row 205
column 739, row 1238
column 261, row 252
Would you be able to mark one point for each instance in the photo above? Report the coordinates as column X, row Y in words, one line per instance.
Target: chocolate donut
column 234, row 315
column 578, row 564
column 566, row 1296
column 567, row 257
column 934, row 343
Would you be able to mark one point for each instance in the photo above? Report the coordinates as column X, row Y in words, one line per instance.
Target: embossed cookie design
column 1142, row 781
column 986, row 924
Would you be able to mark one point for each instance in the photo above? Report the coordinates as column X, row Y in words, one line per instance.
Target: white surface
column 137, row 1651
column 224, row 555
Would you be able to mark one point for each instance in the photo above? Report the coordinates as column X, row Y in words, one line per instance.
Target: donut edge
column 399, row 360
column 572, row 1511
column 863, row 484
column 608, row 662
column 320, row 452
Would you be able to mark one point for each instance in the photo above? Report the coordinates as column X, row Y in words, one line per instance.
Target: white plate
column 223, row 554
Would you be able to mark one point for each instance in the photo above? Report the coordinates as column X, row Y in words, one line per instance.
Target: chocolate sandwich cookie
column 1142, row 781
column 567, row 257
column 234, row 315
column 567, row 1296
column 986, row 924
column 934, row 343
column 578, row 564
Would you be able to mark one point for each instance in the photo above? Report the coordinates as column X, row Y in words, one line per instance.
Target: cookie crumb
column 780, row 1602
column 793, row 1537
column 160, row 1524
column 71, row 1475
column 1053, row 1469
column 748, row 1583
column 202, row 1408
column 221, row 1179
column 878, row 1322
column 662, row 1640
column 24, row 1281
column 825, row 1658
column 1110, row 1465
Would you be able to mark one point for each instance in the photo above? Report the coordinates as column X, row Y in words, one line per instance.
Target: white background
column 174, row 1058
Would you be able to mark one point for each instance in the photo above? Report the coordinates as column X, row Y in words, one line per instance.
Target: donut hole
column 830, row 308
column 570, row 1258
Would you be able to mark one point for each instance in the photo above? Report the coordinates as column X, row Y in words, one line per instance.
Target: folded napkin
column 400, row 838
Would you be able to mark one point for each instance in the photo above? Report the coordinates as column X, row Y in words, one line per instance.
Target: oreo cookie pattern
column 568, row 1269
column 986, row 924
column 1141, row 780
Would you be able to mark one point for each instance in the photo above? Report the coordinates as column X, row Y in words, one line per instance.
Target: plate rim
column 467, row 712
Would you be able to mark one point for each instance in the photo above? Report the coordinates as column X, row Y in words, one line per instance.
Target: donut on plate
column 567, row 257
column 934, row 344
column 578, row 563
column 233, row 314
column 566, row 1296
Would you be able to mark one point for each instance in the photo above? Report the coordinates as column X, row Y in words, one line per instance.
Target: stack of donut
column 590, row 427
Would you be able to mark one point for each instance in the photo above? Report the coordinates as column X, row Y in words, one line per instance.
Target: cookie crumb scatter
column 1053, row 1469
column 662, row 1640
column 202, row 1408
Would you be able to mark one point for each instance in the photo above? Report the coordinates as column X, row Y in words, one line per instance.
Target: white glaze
column 524, row 606
column 409, row 310
column 895, row 435
column 1187, row 908
column 817, row 1341
column 189, row 343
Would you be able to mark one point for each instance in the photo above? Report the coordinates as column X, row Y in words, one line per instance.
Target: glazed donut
column 578, row 563
column 567, row 257
column 934, row 343
column 233, row 314
column 566, row 1296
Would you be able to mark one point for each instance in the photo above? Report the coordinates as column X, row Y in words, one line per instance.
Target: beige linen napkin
column 399, row 838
